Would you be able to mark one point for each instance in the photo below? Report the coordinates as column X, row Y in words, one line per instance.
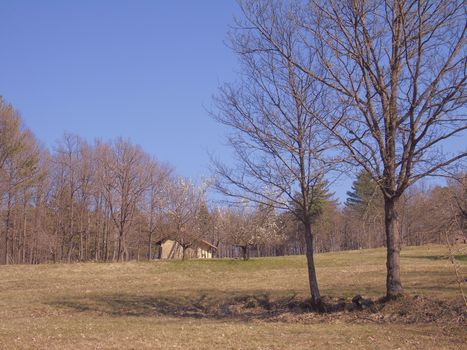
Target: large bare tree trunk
column 314, row 289
column 393, row 281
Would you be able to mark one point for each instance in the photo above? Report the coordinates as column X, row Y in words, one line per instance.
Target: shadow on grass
column 437, row 257
column 207, row 305
column 259, row 306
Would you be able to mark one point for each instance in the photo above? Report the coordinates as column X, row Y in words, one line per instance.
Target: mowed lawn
column 162, row 305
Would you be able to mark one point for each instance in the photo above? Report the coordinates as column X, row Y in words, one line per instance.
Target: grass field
column 204, row 304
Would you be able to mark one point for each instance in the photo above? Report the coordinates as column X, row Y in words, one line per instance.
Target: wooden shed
column 169, row 249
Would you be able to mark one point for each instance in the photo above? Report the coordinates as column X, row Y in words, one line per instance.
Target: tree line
column 110, row 201
column 106, row 201
column 429, row 215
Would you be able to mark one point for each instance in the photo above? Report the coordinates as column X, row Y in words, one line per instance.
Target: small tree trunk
column 117, row 248
column 5, row 248
column 23, row 243
column 96, row 243
column 393, row 281
column 81, row 246
column 314, row 289
column 105, row 240
column 70, row 250
column 150, row 245
column 183, row 252
column 7, row 231
column 120, row 245
column 245, row 252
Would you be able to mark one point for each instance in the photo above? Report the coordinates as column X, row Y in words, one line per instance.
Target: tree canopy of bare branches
column 394, row 79
column 19, row 160
column 282, row 150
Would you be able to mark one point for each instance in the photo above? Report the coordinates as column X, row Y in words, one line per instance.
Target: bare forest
column 110, row 201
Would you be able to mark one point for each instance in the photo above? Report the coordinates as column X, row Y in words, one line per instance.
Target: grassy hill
column 228, row 304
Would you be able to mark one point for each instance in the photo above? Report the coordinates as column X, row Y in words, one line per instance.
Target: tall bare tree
column 125, row 179
column 394, row 72
column 71, row 179
column 185, row 199
column 19, row 157
column 156, row 199
column 283, row 155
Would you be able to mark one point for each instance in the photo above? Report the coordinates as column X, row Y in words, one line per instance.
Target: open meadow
column 231, row 304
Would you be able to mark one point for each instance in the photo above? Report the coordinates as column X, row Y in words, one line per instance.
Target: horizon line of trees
column 110, row 201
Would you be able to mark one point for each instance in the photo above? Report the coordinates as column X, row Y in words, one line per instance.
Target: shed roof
column 198, row 241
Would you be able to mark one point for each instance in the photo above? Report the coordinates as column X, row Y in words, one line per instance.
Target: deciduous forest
column 110, row 201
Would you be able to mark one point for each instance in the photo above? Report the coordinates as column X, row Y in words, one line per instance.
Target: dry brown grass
column 228, row 304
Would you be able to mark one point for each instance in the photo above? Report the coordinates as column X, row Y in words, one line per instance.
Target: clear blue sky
column 140, row 69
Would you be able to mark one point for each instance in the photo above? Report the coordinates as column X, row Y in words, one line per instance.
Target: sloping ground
column 231, row 304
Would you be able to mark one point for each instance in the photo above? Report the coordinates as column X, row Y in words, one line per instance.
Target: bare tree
column 185, row 200
column 19, row 157
column 394, row 72
column 283, row 155
column 458, row 189
column 125, row 179
column 156, row 199
column 72, row 176
column 239, row 229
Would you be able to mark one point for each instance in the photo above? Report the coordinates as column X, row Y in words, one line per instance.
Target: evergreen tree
column 365, row 193
column 319, row 196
